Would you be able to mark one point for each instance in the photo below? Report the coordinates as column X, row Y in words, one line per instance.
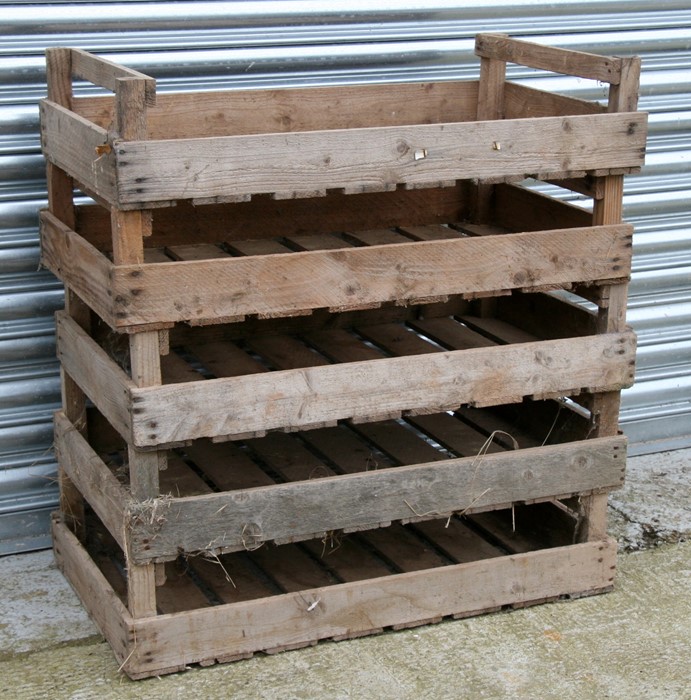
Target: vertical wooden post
column 61, row 204
column 128, row 230
column 607, row 209
column 490, row 105
column 146, row 371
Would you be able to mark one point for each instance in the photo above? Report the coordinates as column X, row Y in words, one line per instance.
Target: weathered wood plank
column 483, row 376
column 566, row 61
column 348, row 608
column 359, row 500
column 77, row 263
column 97, row 595
column 93, row 370
column 150, row 171
column 522, row 102
column 280, row 284
column 519, row 209
column 80, row 148
column 107, row 74
column 89, row 474
column 224, row 113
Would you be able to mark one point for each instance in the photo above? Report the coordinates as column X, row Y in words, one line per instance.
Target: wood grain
column 362, row 500
column 151, row 171
column 293, row 398
column 566, row 61
column 281, row 284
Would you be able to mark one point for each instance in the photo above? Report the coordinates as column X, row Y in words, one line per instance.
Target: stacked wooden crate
column 327, row 369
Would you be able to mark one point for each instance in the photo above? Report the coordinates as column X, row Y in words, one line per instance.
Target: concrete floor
column 632, row 643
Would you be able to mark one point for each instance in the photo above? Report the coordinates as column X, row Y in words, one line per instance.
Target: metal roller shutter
column 199, row 45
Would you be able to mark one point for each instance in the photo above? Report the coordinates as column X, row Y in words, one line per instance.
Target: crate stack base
column 334, row 369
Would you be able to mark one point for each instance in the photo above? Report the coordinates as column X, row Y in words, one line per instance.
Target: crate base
column 277, row 620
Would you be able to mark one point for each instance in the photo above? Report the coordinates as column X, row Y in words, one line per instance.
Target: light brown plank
column 78, row 147
column 97, row 595
column 388, row 155
column 90, row 475
column 314, row 394
column 566, row 61
column 362, row 606
column 93, row 370
column 298, row 109
column 280, row 284
column 77, row 263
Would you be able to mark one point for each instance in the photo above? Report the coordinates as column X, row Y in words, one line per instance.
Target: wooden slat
column 289, row 458
column 179, row 480
column 368, row 498
column 361, row 606
column 323, row 241
column 227, row 465
column 225, row 359
column 520, row 209
column 397, row 339
column 382, row 236
column 498, row 331
column 103, row 604
column 77, row 263
column 292, row 569
column 347, row 559
column 243, row 583
column 457, row 540
column 399, row 443
column 91, row 368
column 388, row 155
column 433, row 232
column 285, row 352
column 107, row 74
column 221, row 113
column 281, row 284
column 522, row 102
column 400, row 546
column 454, row 435
column 258, row 247
column 566, row 61
column 179, row 592
column 78, row 147
column 341, row 446
column 88, row 473
column 196, row 251
column 342, row 346
column 314, row 394
column 450, row 333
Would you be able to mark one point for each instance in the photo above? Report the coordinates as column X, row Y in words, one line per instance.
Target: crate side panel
column 366, row 606
column 438, row 381
column 293, row 282
column 152, row 171
column 363, row 500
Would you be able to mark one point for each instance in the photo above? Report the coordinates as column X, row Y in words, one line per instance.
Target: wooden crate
column 244, row 379
column 230, row 496
column 272, row 599
column 304, row 317
column 206, row 263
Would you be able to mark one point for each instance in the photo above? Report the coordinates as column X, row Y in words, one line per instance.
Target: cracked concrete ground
column 634, row 642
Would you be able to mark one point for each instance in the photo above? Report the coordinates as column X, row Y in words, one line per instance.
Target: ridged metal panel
column 203, row 45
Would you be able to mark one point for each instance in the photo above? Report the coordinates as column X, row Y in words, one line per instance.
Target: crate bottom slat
column 292, row 607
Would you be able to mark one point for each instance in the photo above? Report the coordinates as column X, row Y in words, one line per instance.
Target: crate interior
column 323, row 338
column 205, row 467
column 194, row 582
column 265, row 225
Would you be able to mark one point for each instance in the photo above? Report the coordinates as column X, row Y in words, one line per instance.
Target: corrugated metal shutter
column 199, row 45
